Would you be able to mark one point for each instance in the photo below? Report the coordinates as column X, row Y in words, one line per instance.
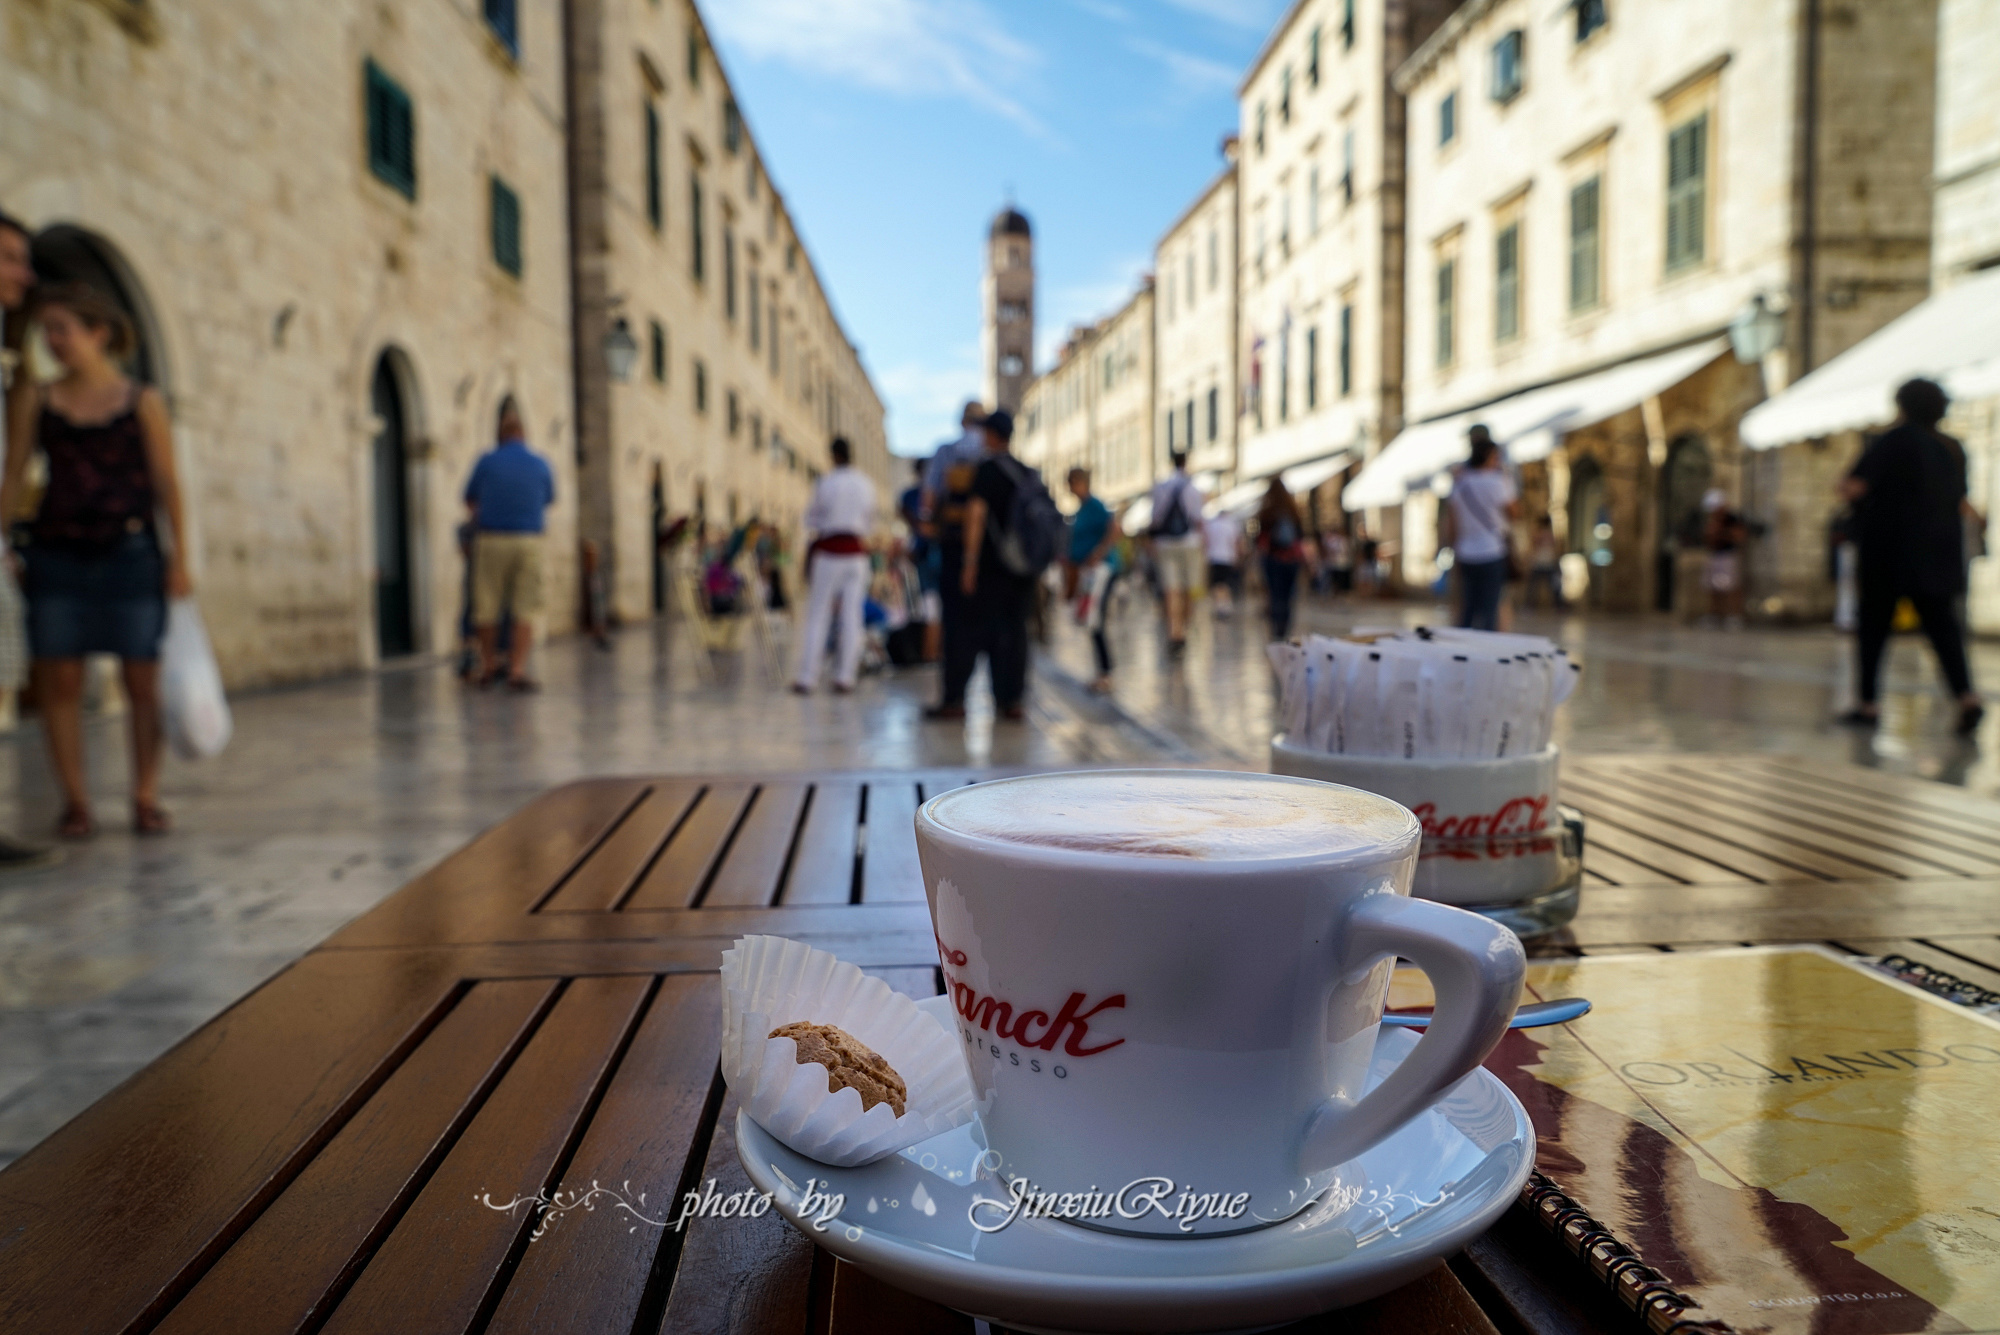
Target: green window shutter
column 659, row 352
column 1507, row 283
column 1447, row 282
column 1584, row 245
column 1687, row 193
column 506, row 220
column 697, row 257
column 656, row 203
column 392, row 131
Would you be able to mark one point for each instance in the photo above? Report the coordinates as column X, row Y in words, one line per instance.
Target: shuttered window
column 1687, row 193
column 659, row 352
column 506, row 227
column 1507, row 284
column 1508, row 70
column 656, row 200
column 1447, row 309
column 1312, row 368
column 500, row 18
column 697, row 241
column 1346, row 350
column 1585, row 244
column 1312, row 59
column 392, row 131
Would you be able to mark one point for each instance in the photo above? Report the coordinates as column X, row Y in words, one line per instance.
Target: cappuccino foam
column 1174, row 815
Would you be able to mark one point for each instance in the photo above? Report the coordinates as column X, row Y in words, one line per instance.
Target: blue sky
column 896, row 128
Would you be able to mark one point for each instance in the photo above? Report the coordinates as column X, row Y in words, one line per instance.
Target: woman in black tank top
column 97, row 579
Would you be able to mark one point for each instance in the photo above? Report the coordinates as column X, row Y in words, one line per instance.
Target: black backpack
column 1034, row 525
column 1174, row 523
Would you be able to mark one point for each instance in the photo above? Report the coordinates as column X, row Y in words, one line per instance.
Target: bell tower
column 1007, row 335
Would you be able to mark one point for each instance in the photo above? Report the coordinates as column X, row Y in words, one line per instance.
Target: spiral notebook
column 1776, row 1140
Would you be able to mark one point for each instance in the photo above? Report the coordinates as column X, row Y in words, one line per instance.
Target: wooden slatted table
column 538, row 1014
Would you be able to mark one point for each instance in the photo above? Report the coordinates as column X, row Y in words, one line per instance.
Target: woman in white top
column 1482, row 509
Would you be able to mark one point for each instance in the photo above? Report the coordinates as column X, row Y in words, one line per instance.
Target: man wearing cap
column 17, row 275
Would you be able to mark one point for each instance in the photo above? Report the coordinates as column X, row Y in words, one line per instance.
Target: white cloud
column 1194, row 74
column 1086, row 302
column 1235, row 13
column 911, row 48
column 925, row 398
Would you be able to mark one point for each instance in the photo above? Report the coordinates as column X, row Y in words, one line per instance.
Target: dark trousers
column 994, row 622
column 1480, row 584
column 1281, row 586
column 1938, row 614
column 1100, row 612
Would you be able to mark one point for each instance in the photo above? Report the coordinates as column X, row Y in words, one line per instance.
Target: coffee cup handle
column 1476, row 967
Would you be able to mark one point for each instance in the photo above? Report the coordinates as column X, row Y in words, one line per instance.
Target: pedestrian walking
column 1910, row 511
column 508, row 495
column 98, row 579
column 1338, row 560
column 840, row 515
column 1222, row 536
column 923, row 554
column 1175, row 535
column 995, row 600
column 1545, row 564
column 17, row 395
column 1281, row 544
column 1481, row 510
column 1093, row 561
column 1723, row 533
column 947, row 491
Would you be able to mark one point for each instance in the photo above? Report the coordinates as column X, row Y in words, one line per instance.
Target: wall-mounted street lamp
column 1757, row 331
column 621, row 350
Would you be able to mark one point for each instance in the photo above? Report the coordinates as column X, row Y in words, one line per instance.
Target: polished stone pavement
column 334, row 794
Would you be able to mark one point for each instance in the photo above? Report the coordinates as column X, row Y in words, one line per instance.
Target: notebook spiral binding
column 1639, row 1286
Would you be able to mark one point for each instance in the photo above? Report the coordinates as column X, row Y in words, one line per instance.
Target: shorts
column 506, row 574
column 1179, row 564
column 111, row 602
column 1723, row 572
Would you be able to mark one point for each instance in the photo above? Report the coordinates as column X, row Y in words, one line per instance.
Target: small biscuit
column 849, row 1063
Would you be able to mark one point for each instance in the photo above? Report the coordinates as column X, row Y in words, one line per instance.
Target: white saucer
column 1400, row 1208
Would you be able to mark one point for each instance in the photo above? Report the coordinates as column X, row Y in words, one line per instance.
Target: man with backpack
column 1176, row 536
column 1011, row 530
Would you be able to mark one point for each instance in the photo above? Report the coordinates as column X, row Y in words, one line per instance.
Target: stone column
column 590, row 298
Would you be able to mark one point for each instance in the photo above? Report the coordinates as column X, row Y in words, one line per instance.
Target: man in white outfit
column 840, row 517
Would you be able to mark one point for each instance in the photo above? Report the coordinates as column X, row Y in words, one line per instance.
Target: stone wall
column 217, row 154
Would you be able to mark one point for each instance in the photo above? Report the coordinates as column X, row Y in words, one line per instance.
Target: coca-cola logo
column 1516, row 816
column 1070, row 1026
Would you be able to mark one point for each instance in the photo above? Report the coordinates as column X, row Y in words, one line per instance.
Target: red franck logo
column 1070, row 1027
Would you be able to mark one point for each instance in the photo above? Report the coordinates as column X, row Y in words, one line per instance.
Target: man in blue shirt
column 1093, row 560
column 510, row 488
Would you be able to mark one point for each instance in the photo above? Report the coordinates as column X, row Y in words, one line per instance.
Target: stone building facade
column 1195, row 311
column 346, row 238
column 1007, row 311
column 743, row 374
column 330, row 319
column 1628, row 181
column 1320, row 340
column 1094, row 407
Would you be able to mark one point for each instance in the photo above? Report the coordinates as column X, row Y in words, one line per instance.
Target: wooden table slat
column 305, row 1245
column 617, row 862
column 590, row 1272
column 1868, row 855
column 1856, row 782
column 1664, row 859
column 750, row 874
column 679, row 875
column 1983, row 950
column 1741, row 848
column 889, row 871
column 1616, row 868
column 446, row 1253
column 1980, row 856
column 823, row 867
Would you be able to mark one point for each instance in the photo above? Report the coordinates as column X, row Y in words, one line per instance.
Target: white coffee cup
column 1178, row 975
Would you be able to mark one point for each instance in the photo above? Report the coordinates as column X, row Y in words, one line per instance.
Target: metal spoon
column 1527, row 1017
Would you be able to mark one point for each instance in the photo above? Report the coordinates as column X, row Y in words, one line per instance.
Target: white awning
column 1952, row 338
column 1527, row 425
column 1298, row 478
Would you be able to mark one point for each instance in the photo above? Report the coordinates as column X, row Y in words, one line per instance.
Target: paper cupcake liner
column 768, row 981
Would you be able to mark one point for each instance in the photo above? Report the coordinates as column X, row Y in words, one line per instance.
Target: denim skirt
column 110, row 602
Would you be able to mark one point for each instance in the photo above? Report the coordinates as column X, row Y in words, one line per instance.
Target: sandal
column 150, row 818
column 75, row 823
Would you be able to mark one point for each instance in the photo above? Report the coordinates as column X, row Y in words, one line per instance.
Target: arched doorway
column 395, row 619
column 67, row 254
column 1683, row 482
column 1590, row 520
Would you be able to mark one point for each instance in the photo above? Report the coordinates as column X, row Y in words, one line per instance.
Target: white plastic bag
column 197, row 715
